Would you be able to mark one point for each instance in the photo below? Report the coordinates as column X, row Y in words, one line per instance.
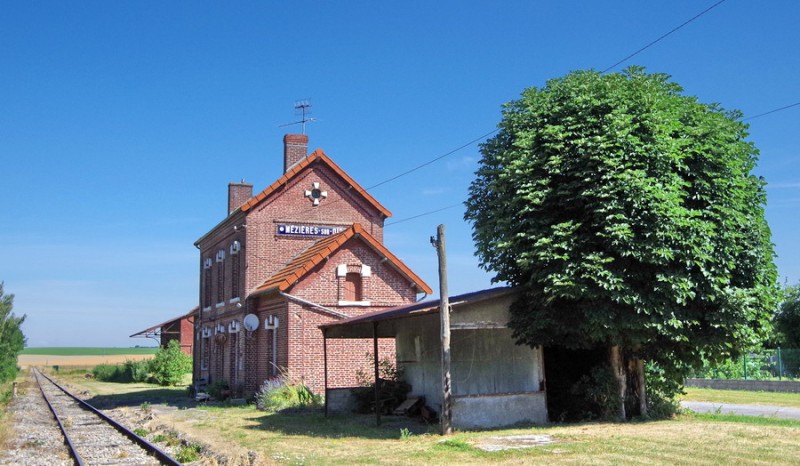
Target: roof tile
column 304, row 262
column 317, row 155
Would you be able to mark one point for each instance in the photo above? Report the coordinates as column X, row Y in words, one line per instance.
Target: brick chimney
column 295, row 149
column 238, row 194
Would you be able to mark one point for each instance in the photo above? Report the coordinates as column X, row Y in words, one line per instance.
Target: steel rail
column 73, row 452
column 159, row 454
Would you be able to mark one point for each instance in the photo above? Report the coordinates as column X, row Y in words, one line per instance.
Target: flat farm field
column 40, row 357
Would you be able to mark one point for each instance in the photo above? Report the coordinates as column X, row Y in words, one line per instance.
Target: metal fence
column 767, row 364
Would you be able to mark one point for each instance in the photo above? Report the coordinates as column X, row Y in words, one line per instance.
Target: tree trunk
column 641, row 387
column 618, row 368
column 636, row 400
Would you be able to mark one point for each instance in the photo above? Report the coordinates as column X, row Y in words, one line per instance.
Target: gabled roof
column 317, row 156
column 152, row 330
column 298, row 267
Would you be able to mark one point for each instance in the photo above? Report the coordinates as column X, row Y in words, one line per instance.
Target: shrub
column 6, row 393
column 130, row 371
column 661, row 393
column 219, row 389
column 597, row 394
column 110, row 373
column 12, row 341
column 277, row 394
column 138, row 371
column 736, row 368
column 170, row 364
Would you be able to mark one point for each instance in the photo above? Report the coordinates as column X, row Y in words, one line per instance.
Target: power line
column 407, row 172
column 389, row 180
column 663, row 36
column 771, row 111
column 434, row 160
column 423, row 214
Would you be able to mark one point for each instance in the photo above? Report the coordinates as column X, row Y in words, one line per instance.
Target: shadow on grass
column 170, row 396
column 313, row 423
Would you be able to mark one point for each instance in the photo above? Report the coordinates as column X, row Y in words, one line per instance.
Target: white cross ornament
column 315, row 194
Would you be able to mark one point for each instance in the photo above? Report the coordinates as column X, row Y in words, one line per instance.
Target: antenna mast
column 302, row 108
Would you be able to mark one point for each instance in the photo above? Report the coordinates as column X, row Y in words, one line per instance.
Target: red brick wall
column 221, row 239
column 222, row 355
column 269, row 251
column 345, row 357
column 383, row 288
column 238, row 194
column 187, row 335
column 181, row 330
column 295, row 148
column 299, row 340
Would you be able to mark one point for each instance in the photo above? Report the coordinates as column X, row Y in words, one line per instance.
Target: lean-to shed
column 179, row 328
column 495, row 382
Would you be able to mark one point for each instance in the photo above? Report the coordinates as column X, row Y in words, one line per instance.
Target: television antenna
column 303, row 109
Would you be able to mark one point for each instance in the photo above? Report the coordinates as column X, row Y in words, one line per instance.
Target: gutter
column 313, row 305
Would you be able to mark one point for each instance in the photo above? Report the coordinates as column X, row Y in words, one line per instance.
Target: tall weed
column 279, row 393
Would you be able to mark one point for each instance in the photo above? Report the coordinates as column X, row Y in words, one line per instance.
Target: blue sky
column 121, row 124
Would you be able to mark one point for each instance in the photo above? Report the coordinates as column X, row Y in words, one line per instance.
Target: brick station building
column 305, row 251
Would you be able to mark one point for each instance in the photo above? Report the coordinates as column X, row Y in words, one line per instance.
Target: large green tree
column 629, row 214
column 12, row 341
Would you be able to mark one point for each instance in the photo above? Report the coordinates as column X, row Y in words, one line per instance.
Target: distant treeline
column 88, row 351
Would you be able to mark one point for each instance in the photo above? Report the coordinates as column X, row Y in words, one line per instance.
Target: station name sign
column 308, row 230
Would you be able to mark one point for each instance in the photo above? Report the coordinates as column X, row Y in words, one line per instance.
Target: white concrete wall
column 494, row 381
column 484, row 412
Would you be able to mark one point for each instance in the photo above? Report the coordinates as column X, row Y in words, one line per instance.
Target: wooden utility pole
column 444, row 313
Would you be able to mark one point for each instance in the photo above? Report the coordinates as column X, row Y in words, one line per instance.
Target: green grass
column 77, row 351
column 136, row 394
column 308, row 437
column 755, row 420
column 789, row 400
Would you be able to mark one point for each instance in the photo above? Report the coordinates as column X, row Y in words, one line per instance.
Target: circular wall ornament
column 315, row 193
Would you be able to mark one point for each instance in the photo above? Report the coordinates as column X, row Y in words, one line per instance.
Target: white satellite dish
column 251, row 322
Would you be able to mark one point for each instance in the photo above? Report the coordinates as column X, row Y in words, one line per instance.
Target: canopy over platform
column 157, row 331
column 365, row 326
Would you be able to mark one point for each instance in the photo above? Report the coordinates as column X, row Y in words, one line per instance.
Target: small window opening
column 352, row 287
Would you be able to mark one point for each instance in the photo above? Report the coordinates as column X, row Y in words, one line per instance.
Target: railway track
column 92, row 437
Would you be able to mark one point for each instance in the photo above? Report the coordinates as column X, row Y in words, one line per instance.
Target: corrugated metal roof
column 164, row 324
column 357, row 327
